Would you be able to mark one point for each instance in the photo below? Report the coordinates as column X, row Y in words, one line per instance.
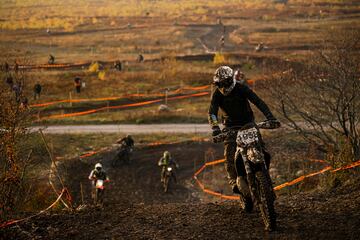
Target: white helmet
column 224, row 79
column 98, row 166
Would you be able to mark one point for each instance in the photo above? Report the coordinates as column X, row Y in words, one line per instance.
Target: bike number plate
column 100, row 184
column 247, row 136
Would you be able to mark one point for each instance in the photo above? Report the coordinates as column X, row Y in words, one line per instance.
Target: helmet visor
column 225, row 83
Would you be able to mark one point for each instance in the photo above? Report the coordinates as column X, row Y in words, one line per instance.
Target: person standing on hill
column 51, row 59
column 118, row 65
column 37, row 90
column 77, row 83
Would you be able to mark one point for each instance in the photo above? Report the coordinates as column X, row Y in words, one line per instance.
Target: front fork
column 251, row 156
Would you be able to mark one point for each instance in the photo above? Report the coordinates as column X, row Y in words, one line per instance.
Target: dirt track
column 136, row 207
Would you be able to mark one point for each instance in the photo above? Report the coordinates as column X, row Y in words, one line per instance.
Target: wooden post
column 56, row 170
column 51, row 157
column 82, row 193
column 205, row 169
column 70, row 99
column 166, row 96
column 107, row 105
column 195, row 165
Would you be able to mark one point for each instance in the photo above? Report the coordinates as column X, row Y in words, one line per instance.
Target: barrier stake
column 82, row 193
column 166, row 96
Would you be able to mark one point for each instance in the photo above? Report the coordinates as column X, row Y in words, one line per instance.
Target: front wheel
column 166, row 183
column 246, row 203
column 99, row 194
column 266, row 199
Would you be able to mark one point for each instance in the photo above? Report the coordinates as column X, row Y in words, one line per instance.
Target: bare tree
column 13, row 122
column 321, row 99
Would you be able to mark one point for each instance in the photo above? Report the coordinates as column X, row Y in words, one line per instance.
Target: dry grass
column 99, row 31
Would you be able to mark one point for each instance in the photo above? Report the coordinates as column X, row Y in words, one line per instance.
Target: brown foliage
column 14, row 119
column 321, row 99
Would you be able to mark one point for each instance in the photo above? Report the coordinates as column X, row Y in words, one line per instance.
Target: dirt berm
column 136, row 208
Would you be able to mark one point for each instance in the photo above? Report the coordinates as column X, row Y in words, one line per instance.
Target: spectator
column 260, row 47
column 24, row 103
column 37, row 90
column 51, row 59
column 77, row 82
column 118, row 65
column 222, row 41
column 140, row 58
column 6, row 67
column 16, row 67
column 240, row 77
column 9, row 81
column 16, row 89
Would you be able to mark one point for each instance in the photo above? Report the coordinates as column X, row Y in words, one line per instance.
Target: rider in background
column 167, row 161
column 128, row 141
column 233, row 98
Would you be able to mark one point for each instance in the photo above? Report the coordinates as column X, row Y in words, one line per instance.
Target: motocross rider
column 128, row 141
column 167, row 161
column 233, row 98
column 98, row 173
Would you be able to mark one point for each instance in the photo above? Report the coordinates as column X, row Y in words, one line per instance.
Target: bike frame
column 253, row 160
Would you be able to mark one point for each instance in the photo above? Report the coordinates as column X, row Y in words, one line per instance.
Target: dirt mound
column 139, row 182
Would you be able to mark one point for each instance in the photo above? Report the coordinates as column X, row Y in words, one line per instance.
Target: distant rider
column 167, row 161
column 126, row 147
column 128, row 141
column 233, row 99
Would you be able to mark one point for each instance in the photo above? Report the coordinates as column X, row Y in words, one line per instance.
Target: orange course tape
column 302, row 178
column 35, row 215
column 286, row 184
column 57, row 116
column 116, row 98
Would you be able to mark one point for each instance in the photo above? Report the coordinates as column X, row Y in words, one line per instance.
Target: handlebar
column 261, row 125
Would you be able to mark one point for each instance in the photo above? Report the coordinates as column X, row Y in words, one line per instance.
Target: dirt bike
column 99, row 192
column 258, row 185
column 168, row 176
column 123, row 154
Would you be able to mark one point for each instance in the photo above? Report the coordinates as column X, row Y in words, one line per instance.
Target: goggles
column 225, row 83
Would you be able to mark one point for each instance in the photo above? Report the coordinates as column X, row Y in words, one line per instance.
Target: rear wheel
column 126, row 157
column 266, row 200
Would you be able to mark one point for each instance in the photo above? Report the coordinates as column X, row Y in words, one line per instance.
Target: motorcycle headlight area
column 254, row 155
column 169, row 169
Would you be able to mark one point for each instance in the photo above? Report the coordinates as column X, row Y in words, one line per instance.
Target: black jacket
column 235, row 106
column 127, row 140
